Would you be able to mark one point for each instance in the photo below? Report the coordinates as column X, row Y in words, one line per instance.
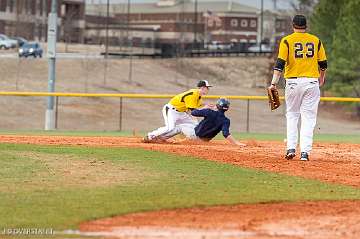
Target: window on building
column 234, row 22
column 218, row 23
column 253, row 23
column 210, row 23
column 244, row 23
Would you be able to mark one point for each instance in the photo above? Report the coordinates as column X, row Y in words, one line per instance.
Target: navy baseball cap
column 299, row 22
column 202, row 83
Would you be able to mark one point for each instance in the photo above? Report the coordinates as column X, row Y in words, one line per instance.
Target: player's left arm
column 228, row 136
column 234, row 141
column 200, row 112
column 322, row 62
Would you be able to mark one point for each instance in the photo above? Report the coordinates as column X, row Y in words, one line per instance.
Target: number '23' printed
column 299, row 48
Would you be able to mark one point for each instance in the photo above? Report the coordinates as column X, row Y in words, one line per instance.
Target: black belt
column 295, row 77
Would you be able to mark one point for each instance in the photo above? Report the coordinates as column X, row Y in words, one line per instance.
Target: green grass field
column 59, row 187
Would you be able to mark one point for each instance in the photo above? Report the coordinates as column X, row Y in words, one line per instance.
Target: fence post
column 120, row 114
column 248, row 116
column 56, row 112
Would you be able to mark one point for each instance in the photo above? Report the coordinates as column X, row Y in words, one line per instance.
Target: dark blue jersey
column 212, row 124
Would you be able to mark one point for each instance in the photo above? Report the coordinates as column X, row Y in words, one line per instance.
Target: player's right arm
column 280, row 62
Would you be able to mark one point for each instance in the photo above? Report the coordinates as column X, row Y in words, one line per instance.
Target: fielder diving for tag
column 214, row 121
column 176, row 113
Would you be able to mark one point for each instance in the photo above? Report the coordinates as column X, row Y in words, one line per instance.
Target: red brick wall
column 183, row 17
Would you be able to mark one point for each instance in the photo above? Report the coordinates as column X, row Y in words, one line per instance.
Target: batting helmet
column 299, row 22
column 223, row 104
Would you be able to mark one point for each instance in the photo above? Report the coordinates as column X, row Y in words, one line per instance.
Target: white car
column 6, row 42
column 218, row 46
column 256, row 48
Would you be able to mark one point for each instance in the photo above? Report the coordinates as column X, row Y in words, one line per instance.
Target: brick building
column 28, row 18
column 165, row 22
column 183, row 21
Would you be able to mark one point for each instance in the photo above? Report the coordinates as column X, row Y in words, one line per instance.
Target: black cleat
column 146, row 139
column 290, row 154
column 304, row 156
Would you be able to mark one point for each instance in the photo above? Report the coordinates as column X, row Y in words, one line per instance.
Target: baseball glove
column 274, row 99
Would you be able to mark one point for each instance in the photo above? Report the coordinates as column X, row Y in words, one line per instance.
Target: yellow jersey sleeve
column 283, row 49
column 321, row 53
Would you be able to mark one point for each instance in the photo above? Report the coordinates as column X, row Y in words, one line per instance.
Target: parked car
column 256, row 48
column 6, row 42
column 20, row 40
column 215, row 45
column 30, row 49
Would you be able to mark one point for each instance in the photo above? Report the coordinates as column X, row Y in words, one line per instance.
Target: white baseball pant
column 302, row 96
column 175, row 123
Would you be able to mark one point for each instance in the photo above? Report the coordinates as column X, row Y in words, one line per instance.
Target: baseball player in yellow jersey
column 303, row 58
column 175, row 113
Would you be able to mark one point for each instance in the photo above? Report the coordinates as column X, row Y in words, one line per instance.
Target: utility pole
column 275, row 4
column 130, row 39
column 51, row 54
column 195, row 22
column 262, row 24
column 106, row 40
column 107, row 29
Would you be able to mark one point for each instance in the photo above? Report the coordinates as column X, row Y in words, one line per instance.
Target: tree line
column 337, row 23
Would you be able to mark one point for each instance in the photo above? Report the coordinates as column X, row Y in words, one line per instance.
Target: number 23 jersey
column 301, row 52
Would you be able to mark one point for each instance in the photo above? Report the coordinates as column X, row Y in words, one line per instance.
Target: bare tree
column 304, row 6
column 70, row 15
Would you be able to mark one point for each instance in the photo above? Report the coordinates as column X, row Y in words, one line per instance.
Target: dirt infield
column 329, row 162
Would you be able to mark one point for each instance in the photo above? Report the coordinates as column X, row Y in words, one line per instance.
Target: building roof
column 180, row 6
